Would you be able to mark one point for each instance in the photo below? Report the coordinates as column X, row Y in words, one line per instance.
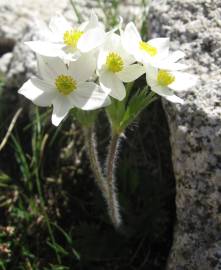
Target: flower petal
column 46, row 48
column 101, row 60
column 183, row 81
column 70, row 54
column 166, row 93
column 161, row 90
column 175, row 56
column 44, row 70
column 93, row 22
column 175, row 99
column 61, row 107
column 130, row 38
column 50, row 68
column 83, row 68
column 168, row 65
column 113, row 43
column 151, row 75
column 112, row 85
column 89, row 96
column 162, row 46
column 38, row 91
column 91, row 39
column 131, row 73
column 58, row 25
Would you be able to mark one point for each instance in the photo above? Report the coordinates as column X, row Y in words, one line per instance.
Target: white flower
column 68, row 42
column 65, row 86
column 115, row 66
column 164, row 82
column 151, row 52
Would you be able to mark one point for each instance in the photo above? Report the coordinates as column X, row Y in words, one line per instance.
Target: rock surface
column 20, row 21
column 194, row 27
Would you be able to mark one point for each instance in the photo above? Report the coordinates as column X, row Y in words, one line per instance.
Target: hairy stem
column 106, row 186
column 94, row 162
column 113, row 205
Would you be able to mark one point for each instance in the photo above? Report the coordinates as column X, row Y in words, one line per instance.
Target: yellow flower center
column 65, row 84
column 71, row 37
column 164, row 77
column 145, row 46
column 114, row 62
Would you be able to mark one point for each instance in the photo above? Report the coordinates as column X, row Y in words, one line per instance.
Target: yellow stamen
column 71, row 37
column 164, row 78
column 114, row 62
column 65, row 84
column 145, row 46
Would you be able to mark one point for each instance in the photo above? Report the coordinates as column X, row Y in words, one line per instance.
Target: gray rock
column 18, row 15
column 5, row 61
column 26, row 17
column 194, row 27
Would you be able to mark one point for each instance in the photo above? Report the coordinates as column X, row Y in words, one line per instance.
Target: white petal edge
column 113, row 43
column 83, row 68
column 93, row 21
column 162, row 46
column 183, row 81
column 166, row 93
column 61, row 107
column 175, row 99
column 58, row 25
column 51, row 67
column 91, row 39
column 151, row 74
column 89, row 96
column 130, row 38
column 46, row 48
column 38, row 91
column 168, row 65
column 101, row 59
column 111, row 84
column 131, row 73
column 175, row 56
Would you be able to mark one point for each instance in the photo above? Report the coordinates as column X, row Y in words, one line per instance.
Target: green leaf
column 122, row 113
column 58, row 248
column 86, row 118
column 136, row 105
column 4, row 178
column 57, row 267
column 115, row 113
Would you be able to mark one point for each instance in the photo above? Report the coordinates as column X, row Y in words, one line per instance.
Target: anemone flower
column 115, row 66
column 64, row 86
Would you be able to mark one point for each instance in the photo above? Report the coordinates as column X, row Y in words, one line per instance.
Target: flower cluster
column 71, row 58
column 86, row 68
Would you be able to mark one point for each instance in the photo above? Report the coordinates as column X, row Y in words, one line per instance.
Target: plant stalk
column 94, row 162
column 106, row 186
column 113, row 204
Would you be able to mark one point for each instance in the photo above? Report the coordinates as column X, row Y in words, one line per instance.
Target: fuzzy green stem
column 94, row 162
column 106, row 186
column 113, row 204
